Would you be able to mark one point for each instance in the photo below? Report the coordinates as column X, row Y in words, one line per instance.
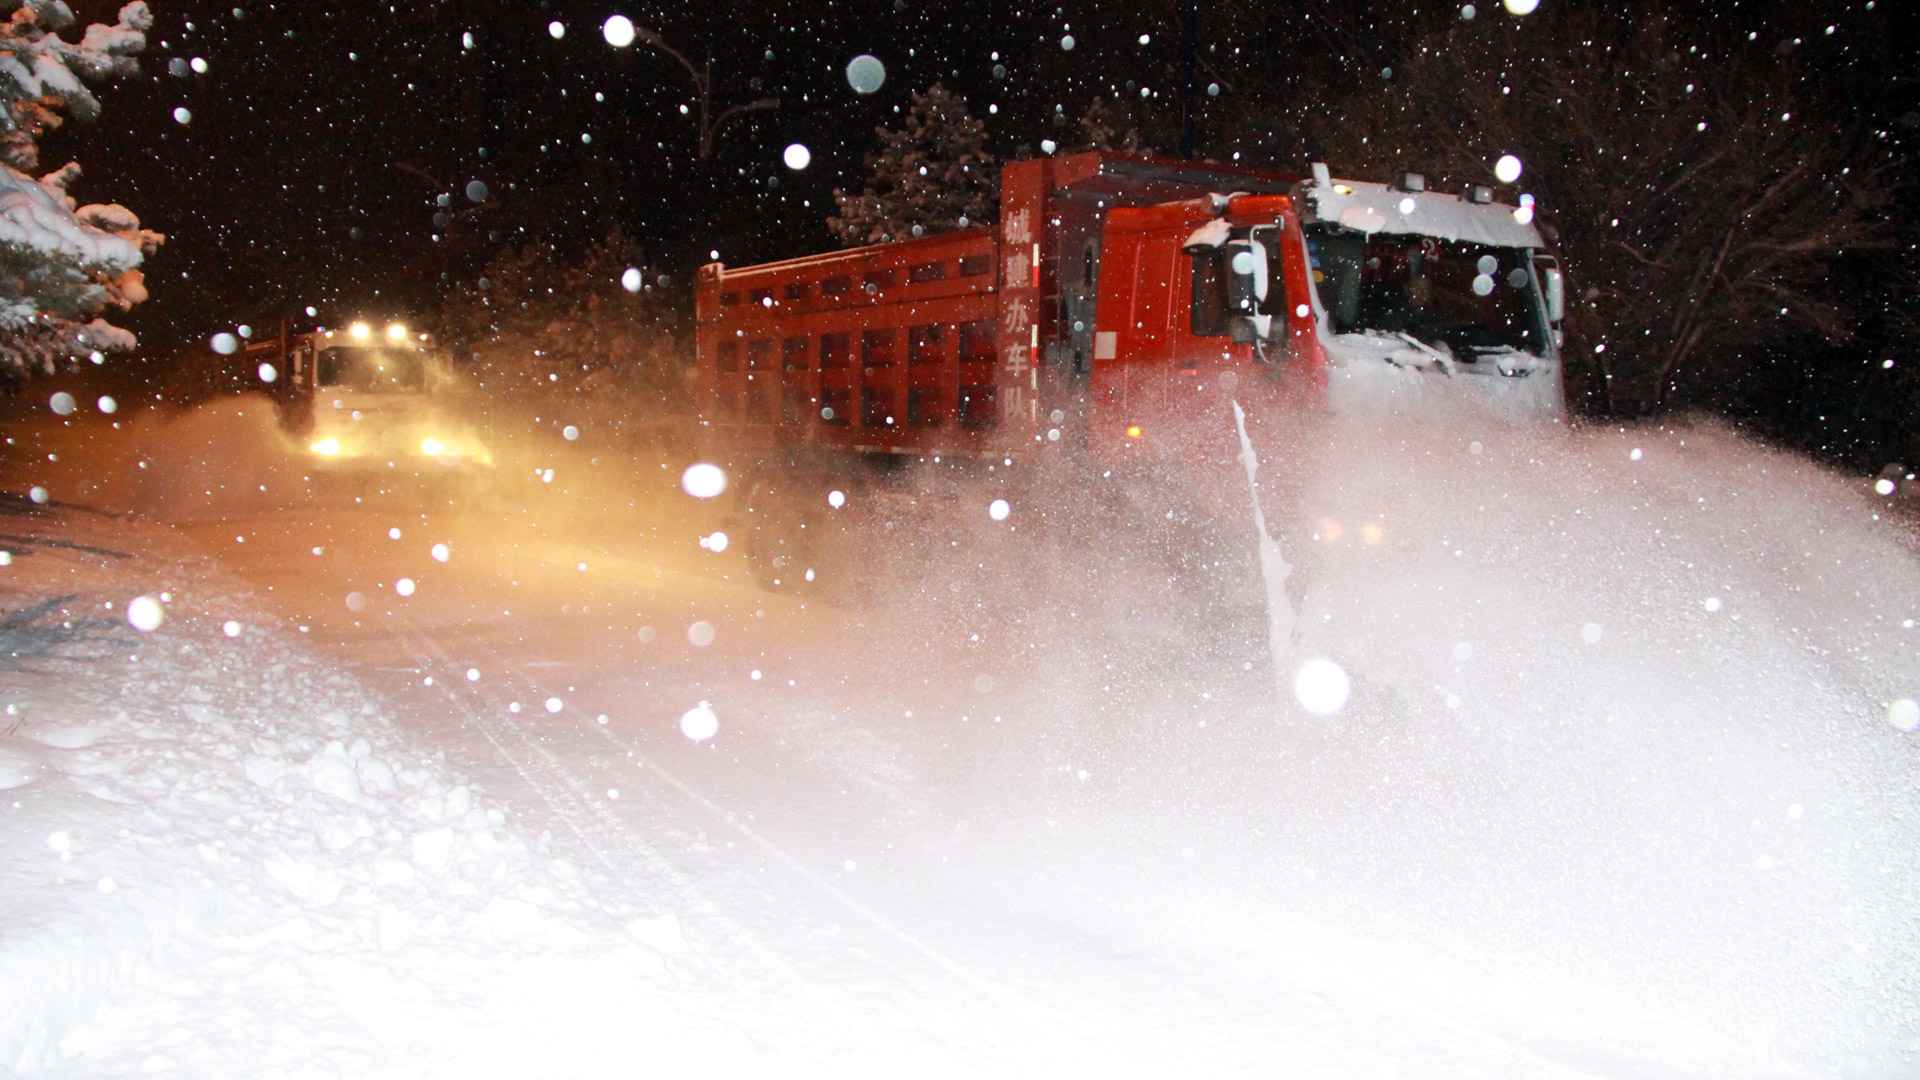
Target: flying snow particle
column 1521, row 7
column 1507, row 169
column 356, row 601
column 1467, row 12
column 268, row 373
column 1302, row 311
column 1904, row 714
column 836, row 499
column 618, row 30
column 1322, row 687
column 473, row 674
column 797, row 156
column 199, row 65
column 466, row 40
column 1213, row 89
column 701, row 633
column 1711, row 603
column 1882, row 486
column 1637, row 454
column 145, row 614
column 1462, row 651
column 62, row 403
column 646, row 635
column 699, row 723
column 716, row 541
column 630, row 280
column 1408, row 205
column 1482, row 285
column 38, row 494
column 1067, row 42
column 570, row 433
column 182, row 116
column 865, row 73
column 107, row 404
column 1764, row 862
column 393, row 533
column 1591, row 633
column 850, row 866
column 476, row 191
column 1144, row 38
column 441, row 553
column 404, row 586
column 230, row 628
column 225, row 344
column 703, row 481
column 554, row 704
column 557, row 28
column 1048, row 146
column 998, row 509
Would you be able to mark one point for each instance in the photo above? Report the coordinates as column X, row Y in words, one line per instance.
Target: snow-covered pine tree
column 1111, row 128
column 931, row 175
column 61, row 264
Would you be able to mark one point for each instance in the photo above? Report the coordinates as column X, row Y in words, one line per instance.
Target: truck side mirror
column 1555, row 284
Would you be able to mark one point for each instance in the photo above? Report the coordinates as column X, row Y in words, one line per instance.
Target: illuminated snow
column 865, row 73
column 699, row 723
column 145, row 614
column 1321, row 687
column 703, row 481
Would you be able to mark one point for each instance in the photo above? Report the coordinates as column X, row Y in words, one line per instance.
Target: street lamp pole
column 703, row 84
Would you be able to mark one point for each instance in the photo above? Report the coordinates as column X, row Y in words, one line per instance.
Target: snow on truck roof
column 1372, row 208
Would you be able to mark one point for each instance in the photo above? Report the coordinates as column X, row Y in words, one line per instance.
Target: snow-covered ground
column 1618, row 791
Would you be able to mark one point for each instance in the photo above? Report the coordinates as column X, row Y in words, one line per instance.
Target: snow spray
column 1273, row 565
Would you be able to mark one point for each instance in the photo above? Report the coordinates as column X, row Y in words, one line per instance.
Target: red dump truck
column 1119, row 302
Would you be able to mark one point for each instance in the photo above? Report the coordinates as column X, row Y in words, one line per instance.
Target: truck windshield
column 362, row 368
column 1468, row 297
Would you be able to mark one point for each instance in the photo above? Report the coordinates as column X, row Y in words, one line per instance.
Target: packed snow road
column 1622, row 788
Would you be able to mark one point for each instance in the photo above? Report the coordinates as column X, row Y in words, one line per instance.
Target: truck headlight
column 327, row 447
column 432, row 447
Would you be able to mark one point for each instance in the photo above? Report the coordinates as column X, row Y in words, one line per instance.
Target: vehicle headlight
column 328, row 447
column 432, row 447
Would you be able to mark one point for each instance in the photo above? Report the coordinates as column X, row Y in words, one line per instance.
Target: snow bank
column 225, row 840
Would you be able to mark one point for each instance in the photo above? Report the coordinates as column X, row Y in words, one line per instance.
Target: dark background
column 322, row 135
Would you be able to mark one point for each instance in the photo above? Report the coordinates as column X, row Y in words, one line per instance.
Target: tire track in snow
column 1023, row 1009
column 1528, row 1061
column 602, row 832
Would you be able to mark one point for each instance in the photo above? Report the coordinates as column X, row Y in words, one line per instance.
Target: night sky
column 321, row 135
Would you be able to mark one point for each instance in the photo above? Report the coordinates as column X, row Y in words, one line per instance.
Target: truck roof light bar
column 1479, row 193
column 1411, row 181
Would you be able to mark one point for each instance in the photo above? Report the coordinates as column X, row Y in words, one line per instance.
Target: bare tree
column 1700, row 203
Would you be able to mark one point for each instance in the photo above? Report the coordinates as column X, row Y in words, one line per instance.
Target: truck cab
column 357, row 397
